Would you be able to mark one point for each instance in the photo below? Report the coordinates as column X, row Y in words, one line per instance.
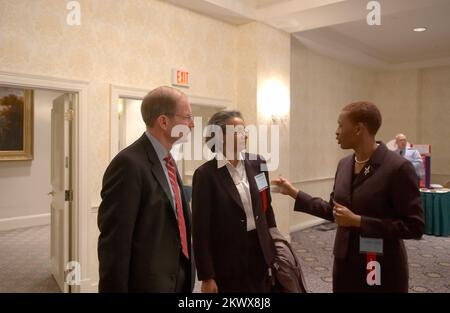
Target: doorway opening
column 131, row 126
column 38, row 211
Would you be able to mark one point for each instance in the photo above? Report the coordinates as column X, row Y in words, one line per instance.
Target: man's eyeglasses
column 188, row 117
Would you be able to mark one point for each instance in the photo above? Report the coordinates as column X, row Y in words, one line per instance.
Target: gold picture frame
column 16, row 124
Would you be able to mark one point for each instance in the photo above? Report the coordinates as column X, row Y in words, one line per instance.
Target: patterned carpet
column 429, row 260
column 25, row 261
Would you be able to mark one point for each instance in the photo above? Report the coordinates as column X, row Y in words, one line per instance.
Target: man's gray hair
column 219, row 119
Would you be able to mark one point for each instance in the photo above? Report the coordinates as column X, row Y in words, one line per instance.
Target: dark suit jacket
column 219, row 221
column 139, row 245
column 387, row 197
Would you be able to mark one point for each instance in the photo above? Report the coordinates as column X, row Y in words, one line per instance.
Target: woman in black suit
column 375, row 202
column 232, row 213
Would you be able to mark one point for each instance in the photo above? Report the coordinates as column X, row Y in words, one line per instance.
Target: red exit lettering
column 182, row 78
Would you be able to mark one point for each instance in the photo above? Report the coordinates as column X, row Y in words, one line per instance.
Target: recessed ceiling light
column 420, row 29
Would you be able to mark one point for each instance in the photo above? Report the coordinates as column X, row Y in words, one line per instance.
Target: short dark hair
column 159, row 101
column 220, row 119
column 364, row 112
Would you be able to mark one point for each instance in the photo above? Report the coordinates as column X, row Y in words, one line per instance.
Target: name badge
column 371, row 245
column 261, row 182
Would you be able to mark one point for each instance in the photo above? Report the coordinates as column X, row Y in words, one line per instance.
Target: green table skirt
column 437, row 213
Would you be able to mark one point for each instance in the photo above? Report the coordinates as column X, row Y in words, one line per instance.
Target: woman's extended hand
column 286, row 188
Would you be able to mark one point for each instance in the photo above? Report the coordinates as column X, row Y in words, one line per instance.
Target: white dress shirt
column 413, row 156
column 239, row 176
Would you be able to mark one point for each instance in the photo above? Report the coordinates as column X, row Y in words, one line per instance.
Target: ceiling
column 258, row 4
column 338, row 27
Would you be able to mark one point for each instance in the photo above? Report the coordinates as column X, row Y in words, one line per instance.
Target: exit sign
column 180, row 78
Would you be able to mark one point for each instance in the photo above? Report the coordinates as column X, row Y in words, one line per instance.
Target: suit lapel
column 228, row 184
column 230, row 187
column 160, row 176
column 157, row 170
column 366, row 172
column 343, row 185
column 254, row 192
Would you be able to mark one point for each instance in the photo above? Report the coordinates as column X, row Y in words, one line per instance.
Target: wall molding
column 87, row 286
column 315, row 180
column 94, row 208
column 24, row 221
column 209, row 102
column 118, row 91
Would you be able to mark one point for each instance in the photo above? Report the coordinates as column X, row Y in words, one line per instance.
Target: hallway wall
column 24, row 184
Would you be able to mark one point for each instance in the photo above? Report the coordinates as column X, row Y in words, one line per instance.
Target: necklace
column 361, row 162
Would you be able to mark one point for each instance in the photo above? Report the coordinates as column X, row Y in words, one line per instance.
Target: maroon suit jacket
column 386, row 195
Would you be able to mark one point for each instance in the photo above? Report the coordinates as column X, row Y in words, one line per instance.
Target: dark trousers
column 184, row 276
column 253, row 277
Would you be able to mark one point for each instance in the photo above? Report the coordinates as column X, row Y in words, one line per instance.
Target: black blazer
column 386, row 194
column 219, row 220
column 139, row 244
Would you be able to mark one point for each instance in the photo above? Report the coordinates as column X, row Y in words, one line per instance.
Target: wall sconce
column 279, row 119
column 274, row 101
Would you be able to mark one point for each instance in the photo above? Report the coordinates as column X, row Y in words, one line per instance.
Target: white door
column 62, row 113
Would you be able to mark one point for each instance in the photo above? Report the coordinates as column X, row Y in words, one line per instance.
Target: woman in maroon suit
column 232, row 213
column 375, row 202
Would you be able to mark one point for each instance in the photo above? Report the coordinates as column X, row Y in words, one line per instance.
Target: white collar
column 223, row 161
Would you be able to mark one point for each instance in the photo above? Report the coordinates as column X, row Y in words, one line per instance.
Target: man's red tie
column 176, row 191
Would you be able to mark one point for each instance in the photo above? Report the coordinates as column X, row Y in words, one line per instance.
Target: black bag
column 287, row 275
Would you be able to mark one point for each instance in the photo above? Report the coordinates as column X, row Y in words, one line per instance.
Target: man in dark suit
column 144, row 218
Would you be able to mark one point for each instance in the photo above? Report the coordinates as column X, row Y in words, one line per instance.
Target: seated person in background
column 410, row 154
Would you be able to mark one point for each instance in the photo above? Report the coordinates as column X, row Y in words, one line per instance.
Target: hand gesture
column 344, row 217
column 286, row 188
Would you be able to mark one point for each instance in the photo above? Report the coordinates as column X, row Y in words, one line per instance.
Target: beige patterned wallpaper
column 397, row 95
column 435, row 119
column 132, row 43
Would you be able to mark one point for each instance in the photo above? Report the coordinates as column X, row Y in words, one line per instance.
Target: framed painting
column 16, row 124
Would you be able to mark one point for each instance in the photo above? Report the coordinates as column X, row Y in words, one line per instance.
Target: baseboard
column 24, row 221
column 307, row 224
column 88, row 286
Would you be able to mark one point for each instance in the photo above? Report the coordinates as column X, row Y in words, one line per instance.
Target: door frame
column 81, row 201
column 118, row 92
